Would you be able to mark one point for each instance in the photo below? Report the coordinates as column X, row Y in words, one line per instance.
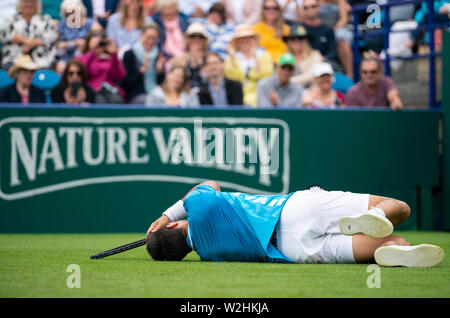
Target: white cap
column 322, row 68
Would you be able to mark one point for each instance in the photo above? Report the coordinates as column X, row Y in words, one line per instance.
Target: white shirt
column 98, row 7
column 238, row 7
column 290, row 13
column 8, row 9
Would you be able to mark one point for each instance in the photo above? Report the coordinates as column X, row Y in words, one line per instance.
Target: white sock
column 378, row 211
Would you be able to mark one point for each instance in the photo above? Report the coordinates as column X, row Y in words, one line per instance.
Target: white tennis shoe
column 368, row 223
column 423, row 255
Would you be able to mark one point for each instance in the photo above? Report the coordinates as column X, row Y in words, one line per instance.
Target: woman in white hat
column 247, row 63
column 196, row 48
column 21, row 91
column 29, row 33
column 322, row 95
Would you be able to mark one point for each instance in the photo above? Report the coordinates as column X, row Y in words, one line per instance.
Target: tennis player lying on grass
column 309, row 226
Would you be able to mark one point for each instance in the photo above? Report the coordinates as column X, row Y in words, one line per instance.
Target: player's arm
column 177, row 212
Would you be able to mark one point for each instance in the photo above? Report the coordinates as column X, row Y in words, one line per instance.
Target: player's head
column 168, row 244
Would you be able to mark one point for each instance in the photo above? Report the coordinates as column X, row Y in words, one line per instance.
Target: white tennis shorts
column 308, row 230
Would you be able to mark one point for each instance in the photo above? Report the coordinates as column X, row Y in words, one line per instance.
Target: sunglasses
column 288, row 68
column 271, row 8
column 196, row 36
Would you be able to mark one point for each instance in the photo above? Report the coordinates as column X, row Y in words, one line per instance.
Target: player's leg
column 395, row 210
column 379, row 221
column 395, row 251
column 364, row 246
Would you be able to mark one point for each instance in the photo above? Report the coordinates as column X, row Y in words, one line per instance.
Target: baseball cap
column 286, row 59
column 322, row 68
column 297, row 32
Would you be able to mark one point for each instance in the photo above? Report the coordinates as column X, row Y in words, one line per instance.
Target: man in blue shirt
column 308, row 226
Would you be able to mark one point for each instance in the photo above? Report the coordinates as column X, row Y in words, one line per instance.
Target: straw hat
column 23, row 62
column 242, row 31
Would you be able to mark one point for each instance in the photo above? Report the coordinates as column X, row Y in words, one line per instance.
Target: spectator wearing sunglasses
column 322, row 36
column 271, row 29
column 278, row 90
column 73, row 88
column 374, row 89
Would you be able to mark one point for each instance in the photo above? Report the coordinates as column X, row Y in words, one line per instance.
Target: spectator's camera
column 104, row 40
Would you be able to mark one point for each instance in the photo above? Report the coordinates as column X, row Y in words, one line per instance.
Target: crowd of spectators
column 188, row 53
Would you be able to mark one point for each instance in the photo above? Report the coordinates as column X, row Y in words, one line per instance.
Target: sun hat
column 286, row 59
column 196, row 28
column 243, row 31
column 322, row 69
column 23, row 62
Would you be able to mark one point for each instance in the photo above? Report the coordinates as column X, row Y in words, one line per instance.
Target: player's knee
column 405, row 210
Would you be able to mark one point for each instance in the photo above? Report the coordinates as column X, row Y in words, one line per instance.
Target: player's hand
column 159, row 223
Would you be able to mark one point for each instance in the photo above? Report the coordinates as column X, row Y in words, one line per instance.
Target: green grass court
column 34, row 265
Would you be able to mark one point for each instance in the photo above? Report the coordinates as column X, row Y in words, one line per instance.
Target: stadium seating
column 342, row 82
column 46, row 80
column 5, row 80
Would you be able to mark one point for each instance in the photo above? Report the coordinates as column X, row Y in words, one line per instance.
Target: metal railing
column 431, row 26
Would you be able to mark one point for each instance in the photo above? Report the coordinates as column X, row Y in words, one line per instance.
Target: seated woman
column 197, row 46
column 103, row 68
column 174, row 91
column 29, row 33
column 271, row 29
column 21, row 91
column 172, row 25
column 305, row 57
column 72, row 31
column 247, row 63
column 322, row 95
column 73, row 88
column 144, row 65
column 125, row 26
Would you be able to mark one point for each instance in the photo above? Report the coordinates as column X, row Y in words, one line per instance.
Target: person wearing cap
column 305, row 57
column 322, row 95
column 196, row 48
column 21, row 91
column 278, row 90
column 247, row 63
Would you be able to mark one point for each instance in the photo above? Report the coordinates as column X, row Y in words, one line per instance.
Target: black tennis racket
column 119, row 249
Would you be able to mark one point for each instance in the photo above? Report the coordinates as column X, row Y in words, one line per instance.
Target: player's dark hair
column 167, row 245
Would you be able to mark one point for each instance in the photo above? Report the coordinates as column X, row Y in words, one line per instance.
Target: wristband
column 176, row 212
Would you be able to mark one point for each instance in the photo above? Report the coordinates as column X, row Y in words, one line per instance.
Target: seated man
column 321, row 35
column 278, row 90
column 309, row 226
column 218, row 90
column 374, row 89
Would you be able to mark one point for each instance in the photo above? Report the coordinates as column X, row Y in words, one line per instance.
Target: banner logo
column 46, row 154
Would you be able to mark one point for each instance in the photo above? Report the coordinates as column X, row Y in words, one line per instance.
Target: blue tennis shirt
column 233, row 226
